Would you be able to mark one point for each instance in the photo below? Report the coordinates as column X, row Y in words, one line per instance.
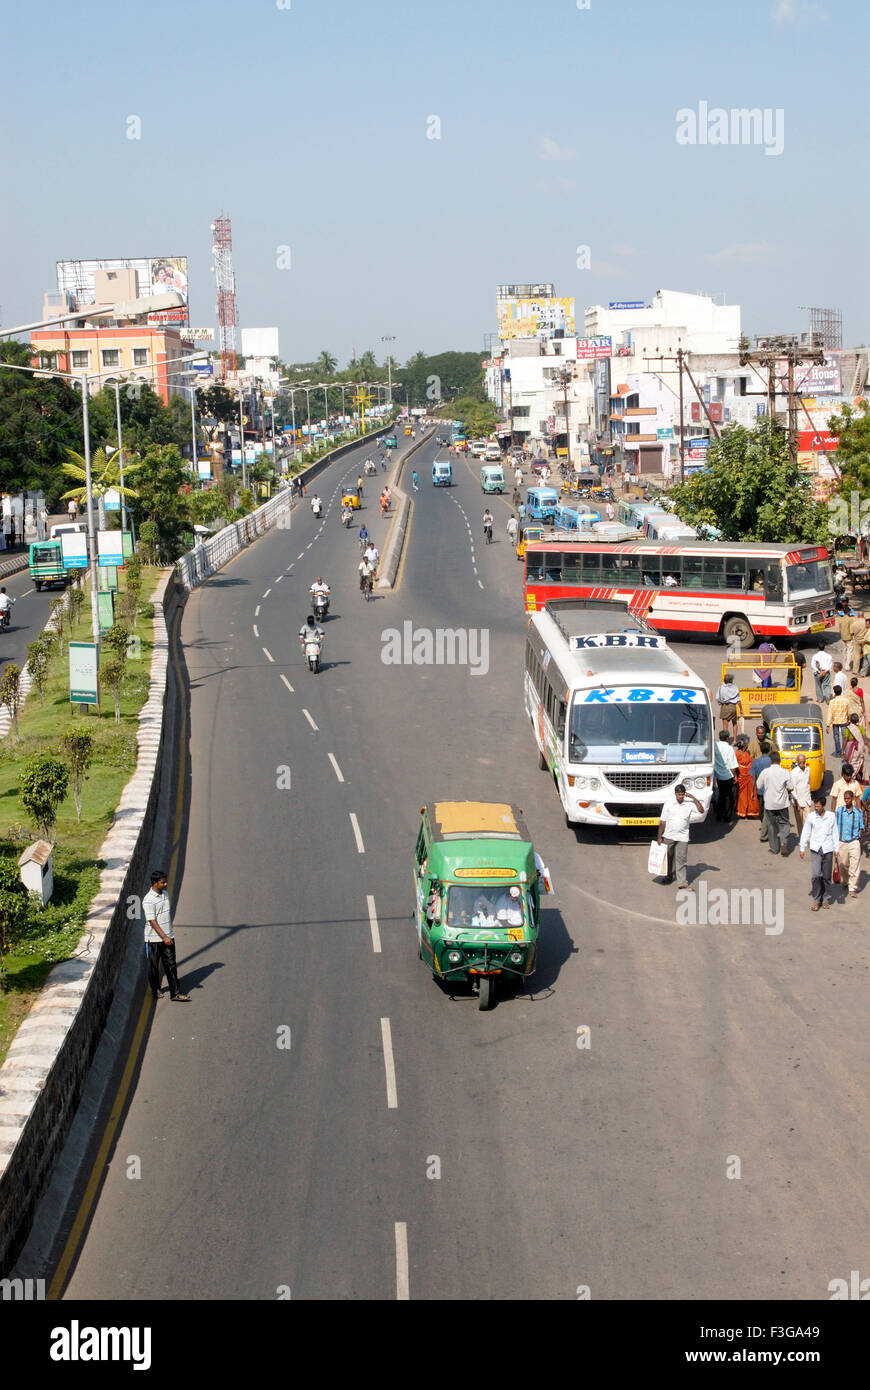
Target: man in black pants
column 160, row 940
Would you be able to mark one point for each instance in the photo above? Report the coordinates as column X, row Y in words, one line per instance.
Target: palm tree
column 326, row 363
column 368, row 363
column 105, row 473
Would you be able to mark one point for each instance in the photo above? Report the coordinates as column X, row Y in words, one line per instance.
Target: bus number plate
column 817, row 627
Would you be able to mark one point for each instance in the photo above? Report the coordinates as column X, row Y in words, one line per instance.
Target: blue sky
column 308, row 126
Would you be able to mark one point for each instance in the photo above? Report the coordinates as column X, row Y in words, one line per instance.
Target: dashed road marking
column 389, row 1065
column 256, row 630
column 257, row 611
column 286, row 682
column 356, row 833
column 403, row 1287
column 337, row 770
column 373, row 923
column 268, row 655
column 268, row 592
column 310, row 721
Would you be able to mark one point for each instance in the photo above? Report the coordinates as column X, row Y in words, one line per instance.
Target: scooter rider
column 316, row 505
column 319, row 590
column 310, row 632
column 346, row 515
column 6, row 602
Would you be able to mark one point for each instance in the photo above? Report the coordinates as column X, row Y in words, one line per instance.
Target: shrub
column 42, row 787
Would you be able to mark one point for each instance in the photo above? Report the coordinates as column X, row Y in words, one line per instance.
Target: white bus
column 618, row 717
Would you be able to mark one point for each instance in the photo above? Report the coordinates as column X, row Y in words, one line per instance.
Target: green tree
column 74, row 608
column 116, row 639
column 326, row 364
column 13, row 904
column 77, row 746
column 113, row 672
column 851, row 425
column 479, row 417
column 751, row 490
column 162, row 500
column 10, row 693
column 149, row 539
column 57, row 611
column 105, row 474
column 39, row 421
column 43, row 784
column 39, row 654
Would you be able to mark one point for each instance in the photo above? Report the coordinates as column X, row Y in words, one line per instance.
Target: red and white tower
column 225, row 283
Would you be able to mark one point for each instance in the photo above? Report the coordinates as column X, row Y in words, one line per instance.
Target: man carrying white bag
column 670, row 851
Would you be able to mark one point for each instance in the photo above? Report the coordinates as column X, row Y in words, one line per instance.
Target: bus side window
column 592, row 568
column 651, row 571
column 714, row 572
column 629, row 570
column 756, row 580
column 693, row 572
column 773, row 581
column 735, row 573
column 672, row 571
column 553, row 562
column 560, row 723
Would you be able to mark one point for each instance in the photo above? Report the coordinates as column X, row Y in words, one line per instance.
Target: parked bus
column 734, row 590
column 618, row 718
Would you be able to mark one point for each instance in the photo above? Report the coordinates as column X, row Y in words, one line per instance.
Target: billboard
column 259, row 342
column 594, row 347
column 534, row 317
column 154, row 275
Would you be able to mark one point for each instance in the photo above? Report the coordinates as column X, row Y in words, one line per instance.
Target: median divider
column 392, row 556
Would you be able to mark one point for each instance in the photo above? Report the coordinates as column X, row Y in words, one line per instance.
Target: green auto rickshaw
column 478, row 885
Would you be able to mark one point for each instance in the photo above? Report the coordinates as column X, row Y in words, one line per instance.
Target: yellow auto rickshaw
column 349, row 497
column 794, row 729
column 529, row 533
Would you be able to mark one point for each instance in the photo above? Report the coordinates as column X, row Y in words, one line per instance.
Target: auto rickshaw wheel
column 487, row 992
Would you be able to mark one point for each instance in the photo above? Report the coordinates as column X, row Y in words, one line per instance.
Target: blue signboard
column 626, row 304
column 639, row 755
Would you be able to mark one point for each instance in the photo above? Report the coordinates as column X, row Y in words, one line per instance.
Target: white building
column 532, row 380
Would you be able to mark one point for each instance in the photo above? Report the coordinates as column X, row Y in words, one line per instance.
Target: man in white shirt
column 774, row 784
column 725, row 768
column 160, row 939
column 677, row 814
column 372, row 554
column 509, row 908
column 820, row 833
column 820, row 664
column 801, row 798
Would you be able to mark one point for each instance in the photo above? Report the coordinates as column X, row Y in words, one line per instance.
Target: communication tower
column 225, row 283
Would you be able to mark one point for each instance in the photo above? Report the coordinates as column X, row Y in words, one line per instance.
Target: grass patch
column 50, row 934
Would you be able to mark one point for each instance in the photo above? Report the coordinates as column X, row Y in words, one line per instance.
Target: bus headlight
column 454, row 957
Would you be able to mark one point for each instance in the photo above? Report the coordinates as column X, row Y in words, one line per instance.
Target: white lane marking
column 257, row 611
column 268, row 655
column 299, row 557
column 267, row 593
column 278, row 578
column 356, row 833
column 256, row 630
column 479, row 582
column 310, row 721
column 389, row 1065
column 286, row 682
column 289, row 568
column 373, row 923
column 309, row 545
column 335, row 767
column 403, row 1287
column 474, row 567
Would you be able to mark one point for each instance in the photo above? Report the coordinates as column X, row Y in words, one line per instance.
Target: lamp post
column 389, row 338
column 307, row 390
column 324, row 387
column 117, row 386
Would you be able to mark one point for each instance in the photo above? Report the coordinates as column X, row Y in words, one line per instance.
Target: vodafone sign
column 821, row 440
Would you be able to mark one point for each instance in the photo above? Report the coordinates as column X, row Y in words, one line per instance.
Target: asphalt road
column 714, row 1050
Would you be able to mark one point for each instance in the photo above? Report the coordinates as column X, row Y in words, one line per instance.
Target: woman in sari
column 855, row 749
column 747, row 800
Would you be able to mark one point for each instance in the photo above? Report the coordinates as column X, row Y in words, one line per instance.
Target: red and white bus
column 738, row 591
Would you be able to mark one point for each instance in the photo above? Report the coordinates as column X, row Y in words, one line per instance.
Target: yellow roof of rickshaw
column 477, row 818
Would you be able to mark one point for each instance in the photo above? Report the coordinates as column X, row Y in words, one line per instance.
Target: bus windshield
column 812, row 579
column 656, row 728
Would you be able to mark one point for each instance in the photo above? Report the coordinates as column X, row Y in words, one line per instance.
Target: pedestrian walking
column 160, row 939
column 801, row 796
column 747, row 800
column 775, row 784
column 821, row 835
column 855, row 695
column 611, row 511
column 838, row 678
column 850, row 830
column 677, row 815
column 857, row 633
column 756, row 768
column 512, row 529
column 728, row 696
column 725, row 767
column 796, row 676
column 856, row 749
column 846, row 782
column 838, row 718
column 763, row 673
column 844, row 627
column 416, row 481
column 820, row 665
column 72, row 509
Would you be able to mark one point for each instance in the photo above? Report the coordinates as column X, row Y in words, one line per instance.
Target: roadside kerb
column 392, row 557
column 13, row 566
column 46, row 1067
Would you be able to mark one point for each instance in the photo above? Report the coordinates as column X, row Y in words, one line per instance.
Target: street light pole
column 242, row 437
column 89, row 496
column 120, row 454
column 389, row 338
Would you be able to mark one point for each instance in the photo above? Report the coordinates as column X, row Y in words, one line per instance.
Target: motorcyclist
column 318, row 589
column 487, row 525
column 310, row 632
column 6, row 602
column 316, row 505
column 347, row 514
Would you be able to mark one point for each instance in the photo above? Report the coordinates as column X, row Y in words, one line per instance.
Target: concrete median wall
column 392, row 557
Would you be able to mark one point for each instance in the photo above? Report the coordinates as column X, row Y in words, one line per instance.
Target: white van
column 492, row 453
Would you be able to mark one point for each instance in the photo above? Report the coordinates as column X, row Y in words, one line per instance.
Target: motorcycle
column 5, row 618
column 346, row 516
column 317, row 508
column 311, row 648
column 320, row 607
